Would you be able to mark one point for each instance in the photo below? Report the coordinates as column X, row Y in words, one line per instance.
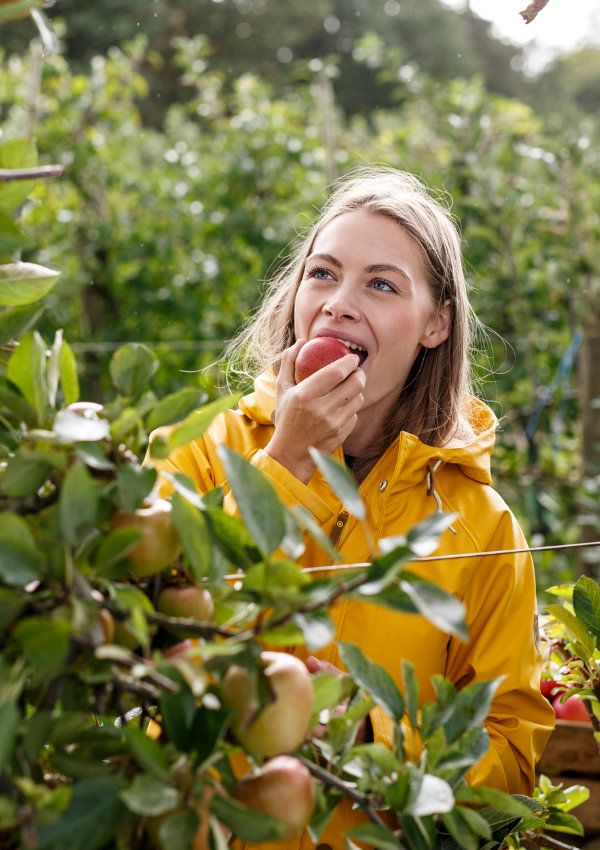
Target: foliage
column 114, row 732
column 573, row 635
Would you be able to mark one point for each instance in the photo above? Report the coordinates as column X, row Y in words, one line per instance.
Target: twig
column 135, row 686
column 315, row 605
column 329, row 779
column 195, row 627
column 533, row 839
column 7, row 175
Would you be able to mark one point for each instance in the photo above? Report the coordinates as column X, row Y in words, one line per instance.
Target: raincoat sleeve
column 198, row 460
column 503, row 642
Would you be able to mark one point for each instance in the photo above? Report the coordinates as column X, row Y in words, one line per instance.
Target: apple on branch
column 159, row 544
column 284, row 789
column 281, row 725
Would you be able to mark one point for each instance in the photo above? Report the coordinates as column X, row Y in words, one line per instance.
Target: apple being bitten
column 317, row 353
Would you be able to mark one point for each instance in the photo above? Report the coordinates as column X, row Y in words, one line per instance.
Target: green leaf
column 498, row 800
column 563, row 822
column 27, row 470
column 174, row 407
column 233, row 538
column 10, row 720
column 149, row 796
column 25, row 283
column 208, row 729
column 276, row 581
column 257, row 502
column 194, row 536
column 71, row 427
column 16, row 154
column 131, row 367
column 328, row 691
column 439, row 607
column 341, row 482
column 384, row 570
column 21, row 562
column 11, row 235
column 69, row 382
column 576, row 628
column 93, row 456
column 244, row 822
column 377, row 836
column 586, row 604
column 178, row 830
column 11, row 605
column 178, row 711
column 78, row 504
column 469, row 708
column 45, row 644
column 374, row 679
column 196, row 424
column 411, row 690
column 134, row 484
column 317, row 628
column 424, row 538
column 16, row 321
column 306, row 520
column 95, row 801
column 26, row 368
column 115, row 546
column 461, row 830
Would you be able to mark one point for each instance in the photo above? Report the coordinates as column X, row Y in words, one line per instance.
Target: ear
column 438, row 327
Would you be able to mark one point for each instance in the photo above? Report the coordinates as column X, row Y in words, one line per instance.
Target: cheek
column 303, row 312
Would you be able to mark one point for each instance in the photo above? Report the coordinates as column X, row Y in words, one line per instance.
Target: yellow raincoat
column 408, row 483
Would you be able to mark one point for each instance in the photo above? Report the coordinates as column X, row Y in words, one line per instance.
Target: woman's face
column 365, row 283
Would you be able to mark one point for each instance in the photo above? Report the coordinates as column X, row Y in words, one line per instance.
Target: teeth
column 352, row 345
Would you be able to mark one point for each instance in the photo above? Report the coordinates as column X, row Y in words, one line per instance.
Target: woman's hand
column 321, row 411
column 364, row 732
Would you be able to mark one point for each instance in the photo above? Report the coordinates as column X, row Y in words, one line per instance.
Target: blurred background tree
column 203, row 135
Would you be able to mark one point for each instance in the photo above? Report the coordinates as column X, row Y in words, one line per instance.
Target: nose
column 341, row 304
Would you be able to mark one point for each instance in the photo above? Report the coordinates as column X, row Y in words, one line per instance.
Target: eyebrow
column 378, row 268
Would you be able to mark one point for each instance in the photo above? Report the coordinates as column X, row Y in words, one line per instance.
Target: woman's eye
column 319, row 273
column 382, row 285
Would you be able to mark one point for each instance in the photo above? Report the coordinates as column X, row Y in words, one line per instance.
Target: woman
column 381, row 270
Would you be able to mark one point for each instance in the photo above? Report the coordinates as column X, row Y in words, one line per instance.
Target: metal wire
column 361, row 566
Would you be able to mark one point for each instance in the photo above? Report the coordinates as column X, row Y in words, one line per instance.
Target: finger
column 324, row 380
column 287, row 363
column 313, row 664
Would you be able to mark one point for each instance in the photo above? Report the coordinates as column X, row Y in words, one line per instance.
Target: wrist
column 301, row 468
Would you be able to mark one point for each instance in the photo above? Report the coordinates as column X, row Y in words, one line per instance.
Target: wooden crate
column 572, row 757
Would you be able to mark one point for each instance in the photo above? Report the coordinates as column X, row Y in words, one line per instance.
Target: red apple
column 159, row 544
column 571, row 709
column 316, row 353
column 282, row 724
column 550, row 688
column 284, row 789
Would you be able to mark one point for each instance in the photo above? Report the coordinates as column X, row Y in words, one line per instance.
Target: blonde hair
column 432, row 402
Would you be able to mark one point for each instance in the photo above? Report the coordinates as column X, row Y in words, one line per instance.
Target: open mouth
column 356, row 349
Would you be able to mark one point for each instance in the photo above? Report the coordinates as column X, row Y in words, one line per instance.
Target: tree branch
column 332, row 781
column 7, row 175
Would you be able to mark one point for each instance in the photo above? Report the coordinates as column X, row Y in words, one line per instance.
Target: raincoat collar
column 470, row 449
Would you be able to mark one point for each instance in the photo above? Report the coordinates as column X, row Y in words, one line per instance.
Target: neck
column 367, row 433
